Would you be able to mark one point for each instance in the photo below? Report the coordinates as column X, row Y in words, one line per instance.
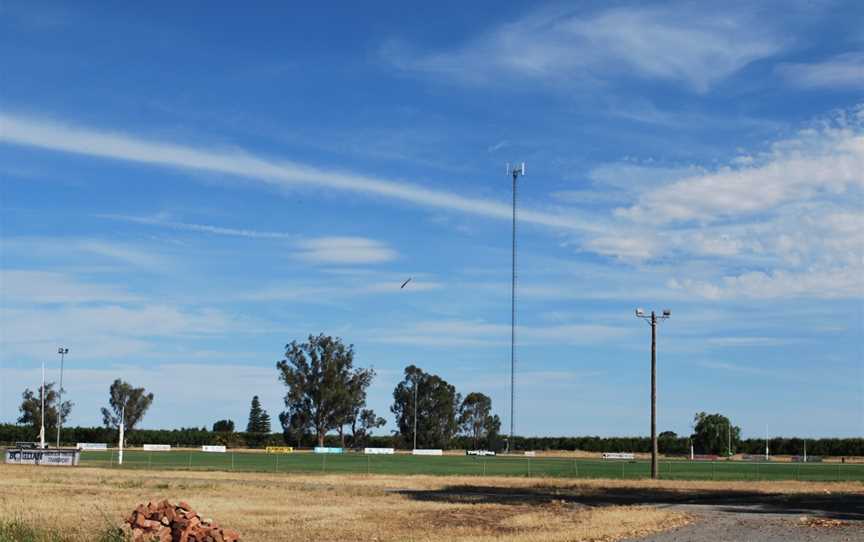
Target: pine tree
column 257, row 418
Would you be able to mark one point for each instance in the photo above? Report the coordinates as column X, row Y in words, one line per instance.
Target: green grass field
column 303, row 462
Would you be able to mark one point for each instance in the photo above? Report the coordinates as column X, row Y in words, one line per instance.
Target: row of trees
column 327, row 393
column 125, row 402
column 197, row 436
column 128, row 403
column 427, row 405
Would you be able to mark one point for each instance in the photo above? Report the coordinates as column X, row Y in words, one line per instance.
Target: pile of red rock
column 165, row 522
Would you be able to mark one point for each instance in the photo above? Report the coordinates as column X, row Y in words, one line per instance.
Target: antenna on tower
column 516, row 171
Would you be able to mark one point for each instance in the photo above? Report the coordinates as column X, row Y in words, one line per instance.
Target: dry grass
column 281, row 507
column 356, row 507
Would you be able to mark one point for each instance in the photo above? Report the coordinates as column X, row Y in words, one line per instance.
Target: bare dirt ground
column 391, row 508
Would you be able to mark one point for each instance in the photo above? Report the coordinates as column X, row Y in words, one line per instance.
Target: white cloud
column 842, row 71
column 827, row 161
column 39, row 287
column 54, row 247
column 344, row 250
column 203, row 228
column 283, row 174
column 785, row 223
column 335, row 290
column 454, row 333
column 323, row 250
column 111, row 331
column 749, row 341
column 679, row 43
column 842, row 282
column 635, row 178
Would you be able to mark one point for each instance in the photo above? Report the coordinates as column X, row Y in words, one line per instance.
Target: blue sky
column 187, row 188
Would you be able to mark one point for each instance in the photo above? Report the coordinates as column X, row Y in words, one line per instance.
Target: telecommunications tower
column 515, row 172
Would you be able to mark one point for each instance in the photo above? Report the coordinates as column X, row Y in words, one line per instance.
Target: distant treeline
column 681, row 445
column 193, row 437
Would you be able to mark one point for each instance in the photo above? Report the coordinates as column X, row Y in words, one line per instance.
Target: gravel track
column 751, row 523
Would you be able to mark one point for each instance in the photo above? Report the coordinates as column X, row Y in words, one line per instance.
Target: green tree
column 259, row 420
column 713, row 432
column 223, row 426
column 355, row 414
column 135, row 401
column 322, row 384
column 31, row 408
column 477, row 421
column 437, row 408
column 362, row 425
column 294, row 426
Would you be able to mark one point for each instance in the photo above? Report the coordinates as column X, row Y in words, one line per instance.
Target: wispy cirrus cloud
column 46, row 287
column 103, row 249
column 321, row 250
column 480, row 333
column 345, row 250
column 843, row 71
column 202, row 228
column 59, row 137
column 678, row 43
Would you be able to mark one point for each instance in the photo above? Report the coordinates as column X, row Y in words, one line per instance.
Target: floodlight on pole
column 122, row 434
column 62, row 351
column 653, row 319
column 415, row 413
column 515, row 172
column 42, row 409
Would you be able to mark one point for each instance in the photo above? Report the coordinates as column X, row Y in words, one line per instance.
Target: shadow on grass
column 844, row 506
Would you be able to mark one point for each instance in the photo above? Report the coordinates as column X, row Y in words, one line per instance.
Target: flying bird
column 406, row 282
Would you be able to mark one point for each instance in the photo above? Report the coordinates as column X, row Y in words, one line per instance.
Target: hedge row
column 194, row 437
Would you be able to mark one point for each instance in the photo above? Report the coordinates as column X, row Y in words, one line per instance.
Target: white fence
column 218, row 449
column 427, row 452
column 379, row 451
column 158, row 447
column 92, row 446
column 618, row 455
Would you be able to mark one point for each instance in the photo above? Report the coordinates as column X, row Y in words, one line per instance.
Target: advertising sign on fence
column 530, row 454
column 92, row 446
column 379, row 451
column 479, row 452
column 327, row 450
column 218, row 449
column 157, row 447
column 750, row 457
column 806, row 459
column 279, row 449
column 618, row 455
column 54, row 457
column 704, row 457
column 427, row 452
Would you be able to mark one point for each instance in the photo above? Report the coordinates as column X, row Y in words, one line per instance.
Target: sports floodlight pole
column 42, row 398
column 62, row 351
column 122, row 433
column 415, row 413
column 728, row 438
column 515, row 172
column 653, row 320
